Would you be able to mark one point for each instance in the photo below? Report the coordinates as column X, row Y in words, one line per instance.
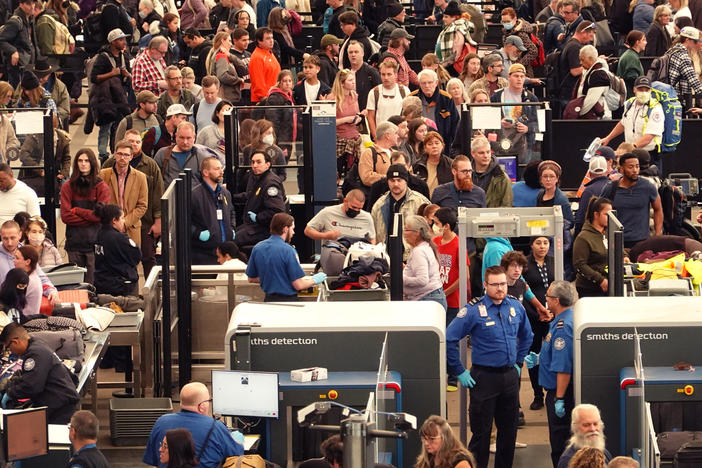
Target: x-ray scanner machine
column 347, row 337
column 669, row 331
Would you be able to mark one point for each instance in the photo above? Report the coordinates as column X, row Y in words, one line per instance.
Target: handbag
column 572, row 110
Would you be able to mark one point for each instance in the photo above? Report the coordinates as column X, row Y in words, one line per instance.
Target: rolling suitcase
column 689, row 455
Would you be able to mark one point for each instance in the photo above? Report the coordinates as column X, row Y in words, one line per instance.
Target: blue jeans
column 436, row 295
column 104, row 139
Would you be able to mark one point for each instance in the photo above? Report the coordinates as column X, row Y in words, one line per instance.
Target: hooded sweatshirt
column 497, row 186
column 495, row 248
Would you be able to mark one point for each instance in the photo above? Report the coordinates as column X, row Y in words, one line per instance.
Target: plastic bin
column 61, row 276
column 330, row 295
column 131, row 419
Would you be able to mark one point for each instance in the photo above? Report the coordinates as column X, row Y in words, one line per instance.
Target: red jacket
column 263, row 70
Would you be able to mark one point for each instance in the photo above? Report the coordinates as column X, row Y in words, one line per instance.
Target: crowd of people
column 160, row 81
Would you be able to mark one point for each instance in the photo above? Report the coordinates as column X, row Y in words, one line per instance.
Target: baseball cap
column 400, row 32
column 330, row 39
column 642, row 82
column 517, row 67
column 606, row 152
column 598, row 165
column 176, row 109
column 115, row 34
column 398, row 170
column 516, row 41
column 146, row 96
column 690, row 33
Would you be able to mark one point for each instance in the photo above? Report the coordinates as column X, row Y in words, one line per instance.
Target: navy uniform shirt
column 500, row 334
column 275, row 263
column 557, row 351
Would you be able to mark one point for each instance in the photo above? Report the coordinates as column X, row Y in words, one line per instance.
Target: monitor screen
column 26, row 434
column 509, row 165
column 245, row 393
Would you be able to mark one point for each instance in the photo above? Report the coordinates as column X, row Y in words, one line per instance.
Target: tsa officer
column 556, row 366
column 501, row 337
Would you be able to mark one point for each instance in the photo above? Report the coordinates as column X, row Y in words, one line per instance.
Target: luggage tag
column 219, row 215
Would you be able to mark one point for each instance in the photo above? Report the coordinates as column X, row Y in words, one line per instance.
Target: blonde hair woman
column 458, row 92
column 219, row 65
column 348, row 117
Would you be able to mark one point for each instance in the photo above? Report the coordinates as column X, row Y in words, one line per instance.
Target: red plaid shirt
column 145, row 74
column 405, row 74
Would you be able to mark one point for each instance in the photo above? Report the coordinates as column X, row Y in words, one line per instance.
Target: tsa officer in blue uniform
column 556, row 366
column 501, row 337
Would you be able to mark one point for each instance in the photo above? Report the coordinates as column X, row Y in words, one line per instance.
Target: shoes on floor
column 519, row 445
column 537, row 404
column 521, row 422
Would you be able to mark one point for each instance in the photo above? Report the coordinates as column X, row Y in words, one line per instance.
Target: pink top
column 349, row 107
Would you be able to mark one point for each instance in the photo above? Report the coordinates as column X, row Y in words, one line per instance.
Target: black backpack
column 92, row 27
column 353, row 179
column 674, row 202
column 552, row 68
column 659, row 69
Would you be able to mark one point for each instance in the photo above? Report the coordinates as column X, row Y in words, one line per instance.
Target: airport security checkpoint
column 481, row 256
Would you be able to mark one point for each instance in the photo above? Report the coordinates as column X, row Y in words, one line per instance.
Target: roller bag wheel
column 689, row 455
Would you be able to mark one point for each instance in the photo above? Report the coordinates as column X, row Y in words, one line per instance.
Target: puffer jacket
column 107, row 102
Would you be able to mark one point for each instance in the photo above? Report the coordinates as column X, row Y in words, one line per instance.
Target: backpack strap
column 375, row 157
column 166, row 157
column 207, row 439
column 196, row 106
column 130, row 122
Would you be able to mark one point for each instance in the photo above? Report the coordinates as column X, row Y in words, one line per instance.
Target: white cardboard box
column 308, row 374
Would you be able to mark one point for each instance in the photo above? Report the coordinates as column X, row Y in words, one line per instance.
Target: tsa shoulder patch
column 272, row 191
column 28, row 364
column 560, row 324
column 462, row 313
column 474, row 301
column 559, row 343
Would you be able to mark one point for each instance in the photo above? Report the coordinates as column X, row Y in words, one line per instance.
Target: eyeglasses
column 123, row 155
column 164, row 446
column 427, row 438
column 551, row 297
column 497, row 285
column 206, row 401
column 466, row 171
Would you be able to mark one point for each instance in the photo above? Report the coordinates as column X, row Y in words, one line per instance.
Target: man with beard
column 555, row 363
column 275, row 264
column 398, row 45
column 213, row 217
column 462, row 191
column 496, row 365
column 15, row 196
column 264, row 197
column 588, row 431
column 631, row 196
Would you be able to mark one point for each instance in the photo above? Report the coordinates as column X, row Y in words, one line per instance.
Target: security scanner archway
column 605, row 329
column 347, row 341
column 503, row 222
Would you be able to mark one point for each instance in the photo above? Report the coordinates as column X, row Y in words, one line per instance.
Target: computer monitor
column 245, row 393
column 26, row 434
column 509, row 165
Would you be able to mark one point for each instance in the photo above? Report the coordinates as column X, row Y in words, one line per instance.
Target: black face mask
column 351, row 213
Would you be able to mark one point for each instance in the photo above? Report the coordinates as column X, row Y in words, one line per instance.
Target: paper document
column 30, row 122
column 485, row 117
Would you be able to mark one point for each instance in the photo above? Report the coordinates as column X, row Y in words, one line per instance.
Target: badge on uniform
column 512, row 312
column 483, row 310
column 220, row 217
column 489, row 324
column 462, row 313
column 559, row 344
column 28, row 364
column 548, row 338
column 272, row 191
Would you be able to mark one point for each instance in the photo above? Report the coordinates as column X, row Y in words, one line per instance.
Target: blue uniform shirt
column 500, row 334
column 275, row 263
column 557, row 351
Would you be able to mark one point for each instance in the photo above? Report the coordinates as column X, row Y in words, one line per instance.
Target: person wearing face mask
column 348, row 220
column 642, row 122
column 26, row 259
column 78, row 199
column 13, row 295
column 513, row 26
column 49, row 255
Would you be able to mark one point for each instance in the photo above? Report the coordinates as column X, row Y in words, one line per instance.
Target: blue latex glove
column 532, row 360
column 204, row 236
column 559, row 406
column 252, row 216
column 5, row 400
column 238, row 437
column 319, row 277
column 466, row 380
column 519, row 369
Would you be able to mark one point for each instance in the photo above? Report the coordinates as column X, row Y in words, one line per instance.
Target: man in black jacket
column 83, row 434
column 213, row 217
column 354, row 31
column 328, row 58
column 199, row 48
column 18, row 40
column 44, row 379
column 114, row 16
column 264, row 197
column 396, row 16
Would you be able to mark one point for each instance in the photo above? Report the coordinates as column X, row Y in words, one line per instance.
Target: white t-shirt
column 390, row 102
column 21, row 197
column 333, row 218
column 633, row 121
column 311, row 91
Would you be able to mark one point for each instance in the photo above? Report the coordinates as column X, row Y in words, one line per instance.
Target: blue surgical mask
column 507, row 26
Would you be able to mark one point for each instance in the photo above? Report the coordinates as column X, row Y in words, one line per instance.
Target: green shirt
column 629, row 68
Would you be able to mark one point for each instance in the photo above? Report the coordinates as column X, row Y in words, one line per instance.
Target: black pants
column 280, row 298
column 540, row 330
column 559, row 428
column 494, row 396
column 148, row 250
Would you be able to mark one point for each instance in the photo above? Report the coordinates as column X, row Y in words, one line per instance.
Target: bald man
column 213, row 442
